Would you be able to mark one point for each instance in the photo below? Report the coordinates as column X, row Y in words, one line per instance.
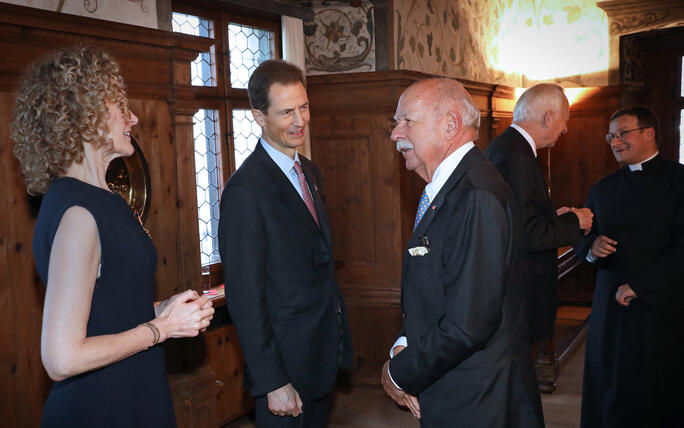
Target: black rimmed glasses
column 620, row 135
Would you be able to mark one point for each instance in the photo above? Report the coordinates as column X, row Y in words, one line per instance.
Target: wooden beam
column 278, row 7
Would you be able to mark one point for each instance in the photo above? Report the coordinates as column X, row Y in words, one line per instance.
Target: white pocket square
column 418, row 251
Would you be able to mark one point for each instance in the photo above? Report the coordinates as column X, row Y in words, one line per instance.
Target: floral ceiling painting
column 134, row 12
column 511, row 42
column 340, row 38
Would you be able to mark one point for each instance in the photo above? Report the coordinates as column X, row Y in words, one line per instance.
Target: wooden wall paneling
column 482, row 96
column 225, row 358
column 194, row 397
column 189, row 255
column 374, row 329
column 21, row 292
column 153, row 134
column 502, row 104
column 350, row 131
column 144, row 63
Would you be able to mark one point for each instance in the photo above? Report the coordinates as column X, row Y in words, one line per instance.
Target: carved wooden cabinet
column 225, row 358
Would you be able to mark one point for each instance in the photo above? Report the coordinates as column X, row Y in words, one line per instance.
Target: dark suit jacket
column 458, row 356
column 543, row 230
column 281, row 290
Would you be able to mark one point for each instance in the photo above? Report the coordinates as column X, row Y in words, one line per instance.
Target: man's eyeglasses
column 620, row 135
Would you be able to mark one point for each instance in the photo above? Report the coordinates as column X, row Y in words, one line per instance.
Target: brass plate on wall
column 130, row 178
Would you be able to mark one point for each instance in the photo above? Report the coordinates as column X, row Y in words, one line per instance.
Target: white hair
column 449, row 92
column 537, row 100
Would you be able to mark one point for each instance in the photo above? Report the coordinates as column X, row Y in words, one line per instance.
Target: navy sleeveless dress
column 133, row 392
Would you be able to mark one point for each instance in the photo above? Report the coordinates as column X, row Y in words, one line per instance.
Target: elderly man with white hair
column 451, row 364
column 539, row 118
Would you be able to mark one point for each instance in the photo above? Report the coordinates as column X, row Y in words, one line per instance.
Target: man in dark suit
column 275, row 246
column 539, row 118
column 451, row 365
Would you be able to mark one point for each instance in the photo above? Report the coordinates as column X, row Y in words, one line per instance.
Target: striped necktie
column 306, row 195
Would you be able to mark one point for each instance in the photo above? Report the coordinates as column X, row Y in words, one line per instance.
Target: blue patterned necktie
column 422, row 207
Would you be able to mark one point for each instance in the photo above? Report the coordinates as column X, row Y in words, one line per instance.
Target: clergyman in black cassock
column 633, row 368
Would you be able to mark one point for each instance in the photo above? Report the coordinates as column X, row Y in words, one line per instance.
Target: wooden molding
column 272, row 7
column 631, row 16
column 669, row 9
column 80, row 25
column 360, row 296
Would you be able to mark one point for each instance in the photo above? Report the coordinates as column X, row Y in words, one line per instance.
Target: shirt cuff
column 400, row 342
column 390, row 376
column 590, row 257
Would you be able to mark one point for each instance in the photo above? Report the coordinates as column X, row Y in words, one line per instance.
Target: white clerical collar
column 638, row 166
column 527, row 136
column 445, row 168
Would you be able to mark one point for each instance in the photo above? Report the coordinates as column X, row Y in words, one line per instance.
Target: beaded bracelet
column 155, row 332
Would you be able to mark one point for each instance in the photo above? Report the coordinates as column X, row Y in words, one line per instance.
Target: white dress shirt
column 527, row 137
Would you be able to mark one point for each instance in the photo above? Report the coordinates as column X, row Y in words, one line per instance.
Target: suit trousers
column 315, row 414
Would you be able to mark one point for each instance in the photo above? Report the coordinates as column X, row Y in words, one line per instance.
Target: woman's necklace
column 139, row 217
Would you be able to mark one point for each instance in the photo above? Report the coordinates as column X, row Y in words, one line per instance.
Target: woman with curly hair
column 101, row 328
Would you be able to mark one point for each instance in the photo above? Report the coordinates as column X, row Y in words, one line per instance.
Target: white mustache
column 404, row 146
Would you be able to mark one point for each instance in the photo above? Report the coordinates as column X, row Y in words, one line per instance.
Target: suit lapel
column 524, row 146
column 520, row 142
column 463, row 166
column 283, row 191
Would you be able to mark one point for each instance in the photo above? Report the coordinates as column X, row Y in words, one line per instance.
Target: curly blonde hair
column 60, row 106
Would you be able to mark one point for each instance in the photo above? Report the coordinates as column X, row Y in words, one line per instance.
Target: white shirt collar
column 445, row 168
column 638, row 167
column 527, row 136
column 284, row 162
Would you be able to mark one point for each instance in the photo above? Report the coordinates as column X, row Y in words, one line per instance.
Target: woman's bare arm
column 74, row 260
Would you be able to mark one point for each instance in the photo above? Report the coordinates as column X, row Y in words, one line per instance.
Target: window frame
column 223, row 97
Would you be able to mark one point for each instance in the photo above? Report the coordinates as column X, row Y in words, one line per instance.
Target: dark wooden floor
column 368, row 407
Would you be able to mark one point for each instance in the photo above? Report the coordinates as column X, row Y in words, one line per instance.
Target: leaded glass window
column 205, row 130
column 203, row 68
column 249, row 47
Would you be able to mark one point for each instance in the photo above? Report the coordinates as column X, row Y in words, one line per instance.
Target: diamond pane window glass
column 249, row 47
column 205, row 131
column 192, row 25
column 202, row 69
column 246, row 133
